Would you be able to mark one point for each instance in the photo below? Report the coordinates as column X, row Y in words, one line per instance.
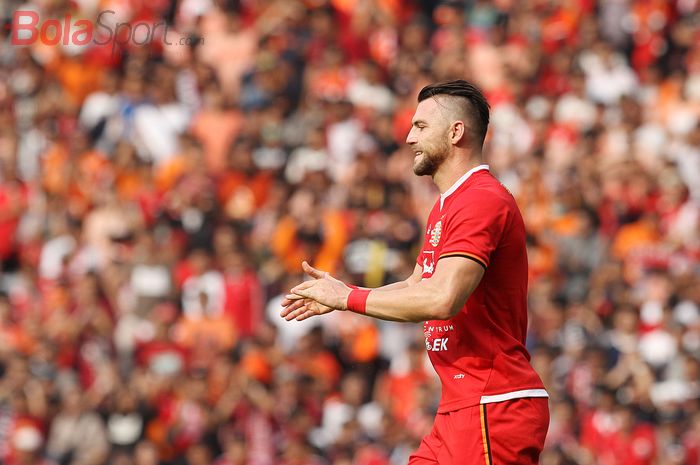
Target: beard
column 432, row 157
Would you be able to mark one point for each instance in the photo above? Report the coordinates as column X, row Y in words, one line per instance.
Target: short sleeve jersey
column 480, row 354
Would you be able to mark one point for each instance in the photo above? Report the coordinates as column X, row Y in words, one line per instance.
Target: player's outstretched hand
column 297, row 307
column 327, row 291
column 313, row 273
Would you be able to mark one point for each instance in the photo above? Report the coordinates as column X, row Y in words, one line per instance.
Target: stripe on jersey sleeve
column 465, row 255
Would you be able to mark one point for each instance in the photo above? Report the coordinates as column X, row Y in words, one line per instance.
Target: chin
column 426, row 164
column 423, row 169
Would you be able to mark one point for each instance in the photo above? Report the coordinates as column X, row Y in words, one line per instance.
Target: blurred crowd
column 158, row 194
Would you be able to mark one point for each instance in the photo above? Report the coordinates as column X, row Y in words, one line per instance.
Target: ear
column 457, row 132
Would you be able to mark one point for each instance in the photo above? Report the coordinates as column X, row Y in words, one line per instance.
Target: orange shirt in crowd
column 216, row 130
column 56, row 171
column 291, row 252
column 168, row 173
column 78, row 77
column 402, row 391
column 205, row 336
column 633, row 236
column 232, row 184
column 14, row 338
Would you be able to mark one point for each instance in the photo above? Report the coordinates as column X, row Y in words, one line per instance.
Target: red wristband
column 351, row 286
column 357, row 300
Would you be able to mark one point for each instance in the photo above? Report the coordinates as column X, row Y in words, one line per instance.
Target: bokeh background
column 156, row 201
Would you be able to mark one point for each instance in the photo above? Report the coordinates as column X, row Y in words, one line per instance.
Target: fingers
column 285, row 311
column 291, row 307
column 298, row 289
column 311, row 271
column 289, row 298
column 306, row 315
column 301, row 310
column 294, row 314
column 288, row 312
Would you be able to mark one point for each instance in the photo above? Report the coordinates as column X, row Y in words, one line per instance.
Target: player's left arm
column 438, row 298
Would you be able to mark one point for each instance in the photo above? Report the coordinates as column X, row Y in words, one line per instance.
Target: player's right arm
column 438, row 298
column 321, row 309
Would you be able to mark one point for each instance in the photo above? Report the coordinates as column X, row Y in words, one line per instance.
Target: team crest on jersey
column 435, row 234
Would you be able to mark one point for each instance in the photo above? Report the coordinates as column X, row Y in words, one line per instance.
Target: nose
column 411, row 136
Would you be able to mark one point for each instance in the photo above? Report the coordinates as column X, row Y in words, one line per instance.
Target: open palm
column 296, row 307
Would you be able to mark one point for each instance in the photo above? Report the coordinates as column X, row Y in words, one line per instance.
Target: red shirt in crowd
column 13, row 201
column 243, row 301
column 612, row 444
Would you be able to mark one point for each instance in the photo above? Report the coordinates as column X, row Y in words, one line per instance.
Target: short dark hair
column 477, row 106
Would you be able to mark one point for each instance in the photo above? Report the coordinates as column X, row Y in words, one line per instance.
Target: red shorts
column 501, row 433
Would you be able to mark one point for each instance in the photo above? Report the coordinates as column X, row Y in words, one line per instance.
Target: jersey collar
column 459, row 182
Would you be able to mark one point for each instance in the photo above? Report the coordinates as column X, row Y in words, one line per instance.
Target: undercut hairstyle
column 475, row 108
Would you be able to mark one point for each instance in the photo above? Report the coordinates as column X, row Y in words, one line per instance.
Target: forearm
column 409, row 303
column 439, row 298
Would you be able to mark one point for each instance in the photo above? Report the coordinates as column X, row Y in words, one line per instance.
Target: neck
column 454, row 168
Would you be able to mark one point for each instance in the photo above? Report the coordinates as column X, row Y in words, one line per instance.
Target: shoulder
column 486, row 194
column 488, row 182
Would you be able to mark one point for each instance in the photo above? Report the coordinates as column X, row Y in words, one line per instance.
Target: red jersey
column 480, row 354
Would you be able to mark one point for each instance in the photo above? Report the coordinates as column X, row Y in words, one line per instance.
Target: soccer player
column 469, row 287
